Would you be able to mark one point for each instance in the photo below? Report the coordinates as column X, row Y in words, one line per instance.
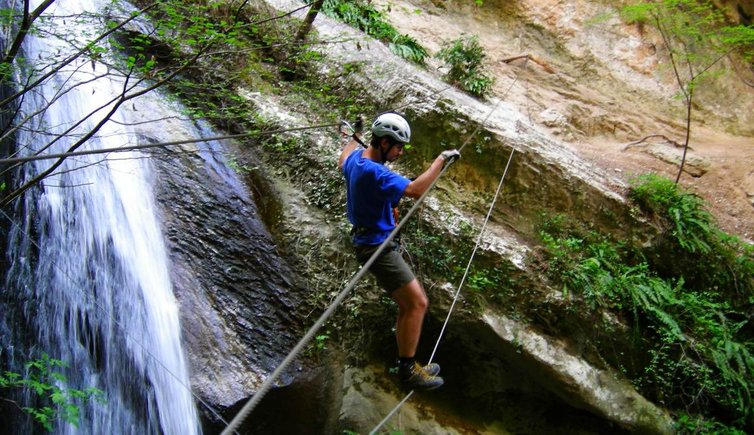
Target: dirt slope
column 599, row 85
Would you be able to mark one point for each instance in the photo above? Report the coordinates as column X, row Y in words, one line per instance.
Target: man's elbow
column 413, row 191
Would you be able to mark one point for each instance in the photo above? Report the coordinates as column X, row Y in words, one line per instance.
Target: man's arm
column 416, row 188
column 421, row 183
column 347, row 150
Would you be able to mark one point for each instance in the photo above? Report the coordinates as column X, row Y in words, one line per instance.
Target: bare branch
column 652, row 136
column 534, row 59
column 75, row 56
column 60, row 94
column 26, row 22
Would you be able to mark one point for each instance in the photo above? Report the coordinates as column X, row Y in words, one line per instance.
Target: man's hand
column 450, row 155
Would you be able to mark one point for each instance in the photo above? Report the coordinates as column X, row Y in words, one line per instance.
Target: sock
column 405, row 362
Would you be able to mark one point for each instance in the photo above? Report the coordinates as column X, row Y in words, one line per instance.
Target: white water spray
column 97, row 293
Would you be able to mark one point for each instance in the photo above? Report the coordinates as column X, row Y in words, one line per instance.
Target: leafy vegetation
column 446, row 258
column 690, row 223
column 465, row 57
column 365, row 17
column 695, row 346
column 56, row 401
column 697, row 38
column 705, row 257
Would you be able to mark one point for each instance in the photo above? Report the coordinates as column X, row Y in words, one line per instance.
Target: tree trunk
column 688, row 134
column 306, row 26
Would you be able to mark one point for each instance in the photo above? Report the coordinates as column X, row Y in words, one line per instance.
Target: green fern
column 365, row 17
column 695, row 346
column 465, row 56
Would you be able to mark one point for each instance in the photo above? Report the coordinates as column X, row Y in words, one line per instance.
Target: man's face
column 395, row 151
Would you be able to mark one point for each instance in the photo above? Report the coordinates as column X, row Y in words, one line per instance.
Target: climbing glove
column 450, row 155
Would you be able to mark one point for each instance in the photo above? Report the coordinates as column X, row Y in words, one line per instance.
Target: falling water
column 88, row 279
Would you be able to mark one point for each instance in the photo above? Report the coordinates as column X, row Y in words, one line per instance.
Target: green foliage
column 320, row 342
column 57, row 402
column 689, row 424
column 639, row 12
column 465, row 57
column 691, row 224
column 446, row 258
column 695, row 344
column 237, row 167
column 696, row 32
column 704, row 256
column 365, row 17
column 408, row 48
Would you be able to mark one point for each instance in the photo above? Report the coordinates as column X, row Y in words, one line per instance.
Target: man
column 373, row 191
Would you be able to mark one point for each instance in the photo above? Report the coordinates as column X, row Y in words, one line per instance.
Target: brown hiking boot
column 432, row 369
column 417, row 377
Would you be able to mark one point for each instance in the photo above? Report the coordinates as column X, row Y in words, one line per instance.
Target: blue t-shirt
column 372, row 191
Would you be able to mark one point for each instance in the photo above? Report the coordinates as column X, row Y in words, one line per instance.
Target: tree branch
column 534, row 59
column 652, row 136
column 120, row 100
column 26, row 22
column 74, row 56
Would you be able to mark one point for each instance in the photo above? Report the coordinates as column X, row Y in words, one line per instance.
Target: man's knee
column 412, row 298
column 422, row 302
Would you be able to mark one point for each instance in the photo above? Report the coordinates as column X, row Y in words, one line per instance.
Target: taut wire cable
column 125, row 148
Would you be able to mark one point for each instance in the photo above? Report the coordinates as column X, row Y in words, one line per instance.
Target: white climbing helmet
column 393, row 125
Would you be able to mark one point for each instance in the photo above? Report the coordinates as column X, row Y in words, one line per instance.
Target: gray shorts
column 389, row 269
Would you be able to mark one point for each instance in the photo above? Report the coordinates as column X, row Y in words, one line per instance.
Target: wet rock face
column 498, row 379
column 234, row 290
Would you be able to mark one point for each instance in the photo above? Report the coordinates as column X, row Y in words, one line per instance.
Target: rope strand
column 16, row 160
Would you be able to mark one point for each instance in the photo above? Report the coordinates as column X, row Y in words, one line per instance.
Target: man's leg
column 412, row 305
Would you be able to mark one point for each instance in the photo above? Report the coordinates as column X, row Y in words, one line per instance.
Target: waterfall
column 88, row 275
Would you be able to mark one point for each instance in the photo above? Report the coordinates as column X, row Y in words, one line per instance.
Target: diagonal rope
column 391, row 413
column 473, row 253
